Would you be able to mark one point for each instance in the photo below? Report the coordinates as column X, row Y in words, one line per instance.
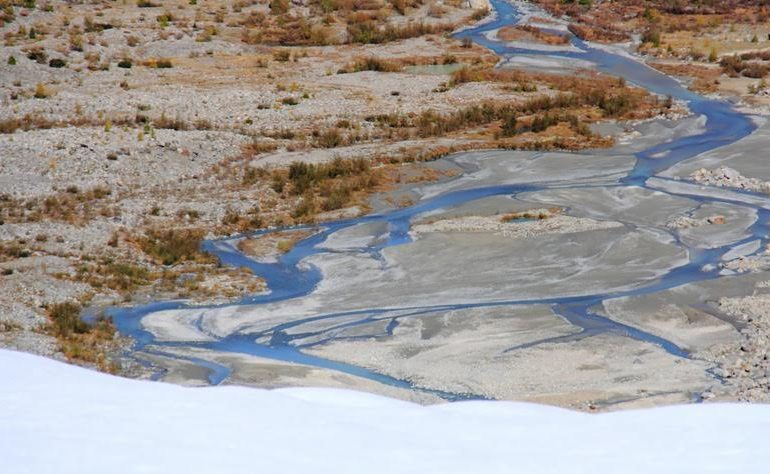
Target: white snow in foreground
column 56, row 418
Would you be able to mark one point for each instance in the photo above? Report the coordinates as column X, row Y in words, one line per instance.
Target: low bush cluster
column 369, row 32
column 158, row 63
column 72, row 206
column 116, row 276
column 303, row 175
column 371, row 63
column 744, row 65
column 171, row 246
column 78, row 340
column 65, row 319
column 597, row 33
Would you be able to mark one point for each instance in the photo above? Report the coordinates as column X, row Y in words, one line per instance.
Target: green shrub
column 38, row 56
column 331, row 138
column 306, row 175
column 480, row 13
column 40, row 91
column 65, row 319
column 713, row 55
column 338, row 198
column 509, row 126
column 372, row 64
column 306, row 207
column 123, row 276
column 282, row 55
column 279, row 7
column 278, row 183
column 367, row 31
column 652, row 35
column 172, row 245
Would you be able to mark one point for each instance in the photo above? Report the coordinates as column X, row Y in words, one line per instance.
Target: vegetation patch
column 532, row 214
column 73, row 206
column 371, row 63
column 272, row 244
column 171, row 246
column 118, row 276
column 598, row 34
column 531, row 33
column 80, row 341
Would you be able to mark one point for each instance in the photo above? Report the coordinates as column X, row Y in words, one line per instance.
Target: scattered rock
column 716, row 220
column 517, row 228
column 729, row 178
column 747, row 371
column 753, row 263
column 686, row 222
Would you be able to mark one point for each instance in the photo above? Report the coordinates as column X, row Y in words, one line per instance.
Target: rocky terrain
column 750, row 367
column 729, row 178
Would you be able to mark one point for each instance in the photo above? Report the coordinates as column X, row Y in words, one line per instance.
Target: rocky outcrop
column 531, row 224
column 729, row 178
column 686, row 222
column 749, row 264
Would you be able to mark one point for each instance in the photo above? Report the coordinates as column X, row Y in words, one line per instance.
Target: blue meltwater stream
column 287, row 279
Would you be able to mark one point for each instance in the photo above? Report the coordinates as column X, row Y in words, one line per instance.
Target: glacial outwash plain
column 565, row 203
